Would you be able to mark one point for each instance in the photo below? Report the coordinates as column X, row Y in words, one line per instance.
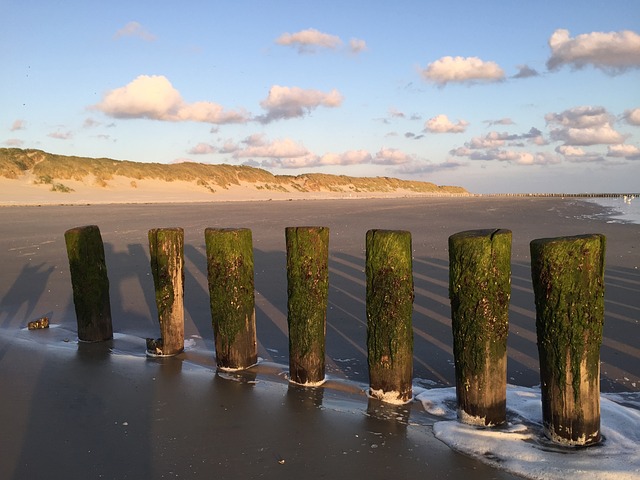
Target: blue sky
column 493, row 96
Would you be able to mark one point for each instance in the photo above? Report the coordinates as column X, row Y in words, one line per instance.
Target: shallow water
column 622, row 209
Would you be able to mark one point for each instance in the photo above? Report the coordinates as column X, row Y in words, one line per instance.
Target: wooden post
column 568, row 283
column 231, row 292
column 389, row 306
column 90, row 283
column 479, row 290
column 166, row 249
column 308, row 290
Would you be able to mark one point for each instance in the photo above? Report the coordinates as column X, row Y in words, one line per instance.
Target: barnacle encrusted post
column 568, row 283
column 308, row 290
column 231, row 294
column 389, row 306
column 480, row 290
column 90, row 283
column 166, row 249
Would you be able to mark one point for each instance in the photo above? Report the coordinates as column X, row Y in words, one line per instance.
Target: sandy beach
column 73, row 410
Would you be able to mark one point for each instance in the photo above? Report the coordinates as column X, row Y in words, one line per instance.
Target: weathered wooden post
column 166, row 249
column 389, row 306
column 479, row 290
column 308, row 290
column 90, row 283
column 231, row 291
column 568, row 283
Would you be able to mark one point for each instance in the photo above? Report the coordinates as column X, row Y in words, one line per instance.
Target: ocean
column 623, row 209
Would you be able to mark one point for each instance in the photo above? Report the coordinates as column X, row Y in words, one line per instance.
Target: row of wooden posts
column 568, row 281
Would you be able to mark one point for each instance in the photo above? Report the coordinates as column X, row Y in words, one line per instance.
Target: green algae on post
column 389, row 306
column 231, row 294
column 308, row 290
column 568, row 283
column 90, row 283
column 480, row 290
column 166, row 249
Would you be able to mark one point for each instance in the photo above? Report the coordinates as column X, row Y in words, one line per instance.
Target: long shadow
column 196, row 292
column 128, row 282
column 271, row 304
column 25, row 292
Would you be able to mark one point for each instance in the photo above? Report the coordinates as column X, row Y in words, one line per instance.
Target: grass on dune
column 49, row 168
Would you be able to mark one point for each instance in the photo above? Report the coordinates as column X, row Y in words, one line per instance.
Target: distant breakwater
column 561, row 195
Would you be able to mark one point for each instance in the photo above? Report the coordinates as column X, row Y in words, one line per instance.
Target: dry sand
column 73, row 410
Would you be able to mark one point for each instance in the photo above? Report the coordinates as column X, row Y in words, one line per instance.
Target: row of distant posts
column 568, row 283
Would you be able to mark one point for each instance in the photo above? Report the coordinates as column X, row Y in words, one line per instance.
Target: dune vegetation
column 49, row 168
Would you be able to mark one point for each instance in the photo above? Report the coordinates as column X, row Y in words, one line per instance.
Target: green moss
column 90, row 283
column 231, row 285
column 166, row 249
column 389, row 307
column 308, row 289
column 568, row 281
column 480, row 290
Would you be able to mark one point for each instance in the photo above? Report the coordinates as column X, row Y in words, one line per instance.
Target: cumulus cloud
column 632, row 117
column 309, row 41
column 583, row 126
column 578, row 154
column 524, row 71
column 442, row 124
column 630, row 152
column 462, row 70
column 283, row 148
column 510, row 156
column 134, row 29
column 292, row 102
column 613, row 52
column 155, row 98
column 391, row 156
column 17, row 125
column 202, row 149
column 14, row 142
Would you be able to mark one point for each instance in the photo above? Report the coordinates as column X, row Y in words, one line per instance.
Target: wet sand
column 73, row 410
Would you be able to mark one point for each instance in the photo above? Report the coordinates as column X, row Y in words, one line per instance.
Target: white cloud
column 285, row 148
column 442, row 124
column 462, row 70
column 630, row 152
column 357, row 46
column 292, row 102
column 603, row 134
column 202, row 149
column 352, row 157
column 391, row 156
column 17, row 125
column 155, row 98
column 632, row 116
column 134, row 29
column 580, row 117
column 490, row 140
column 613, row 52
column 14, row 142
column 583, row 126
column 307, row 41
column 510, row 156
column 422, row 167
column 578, row 155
